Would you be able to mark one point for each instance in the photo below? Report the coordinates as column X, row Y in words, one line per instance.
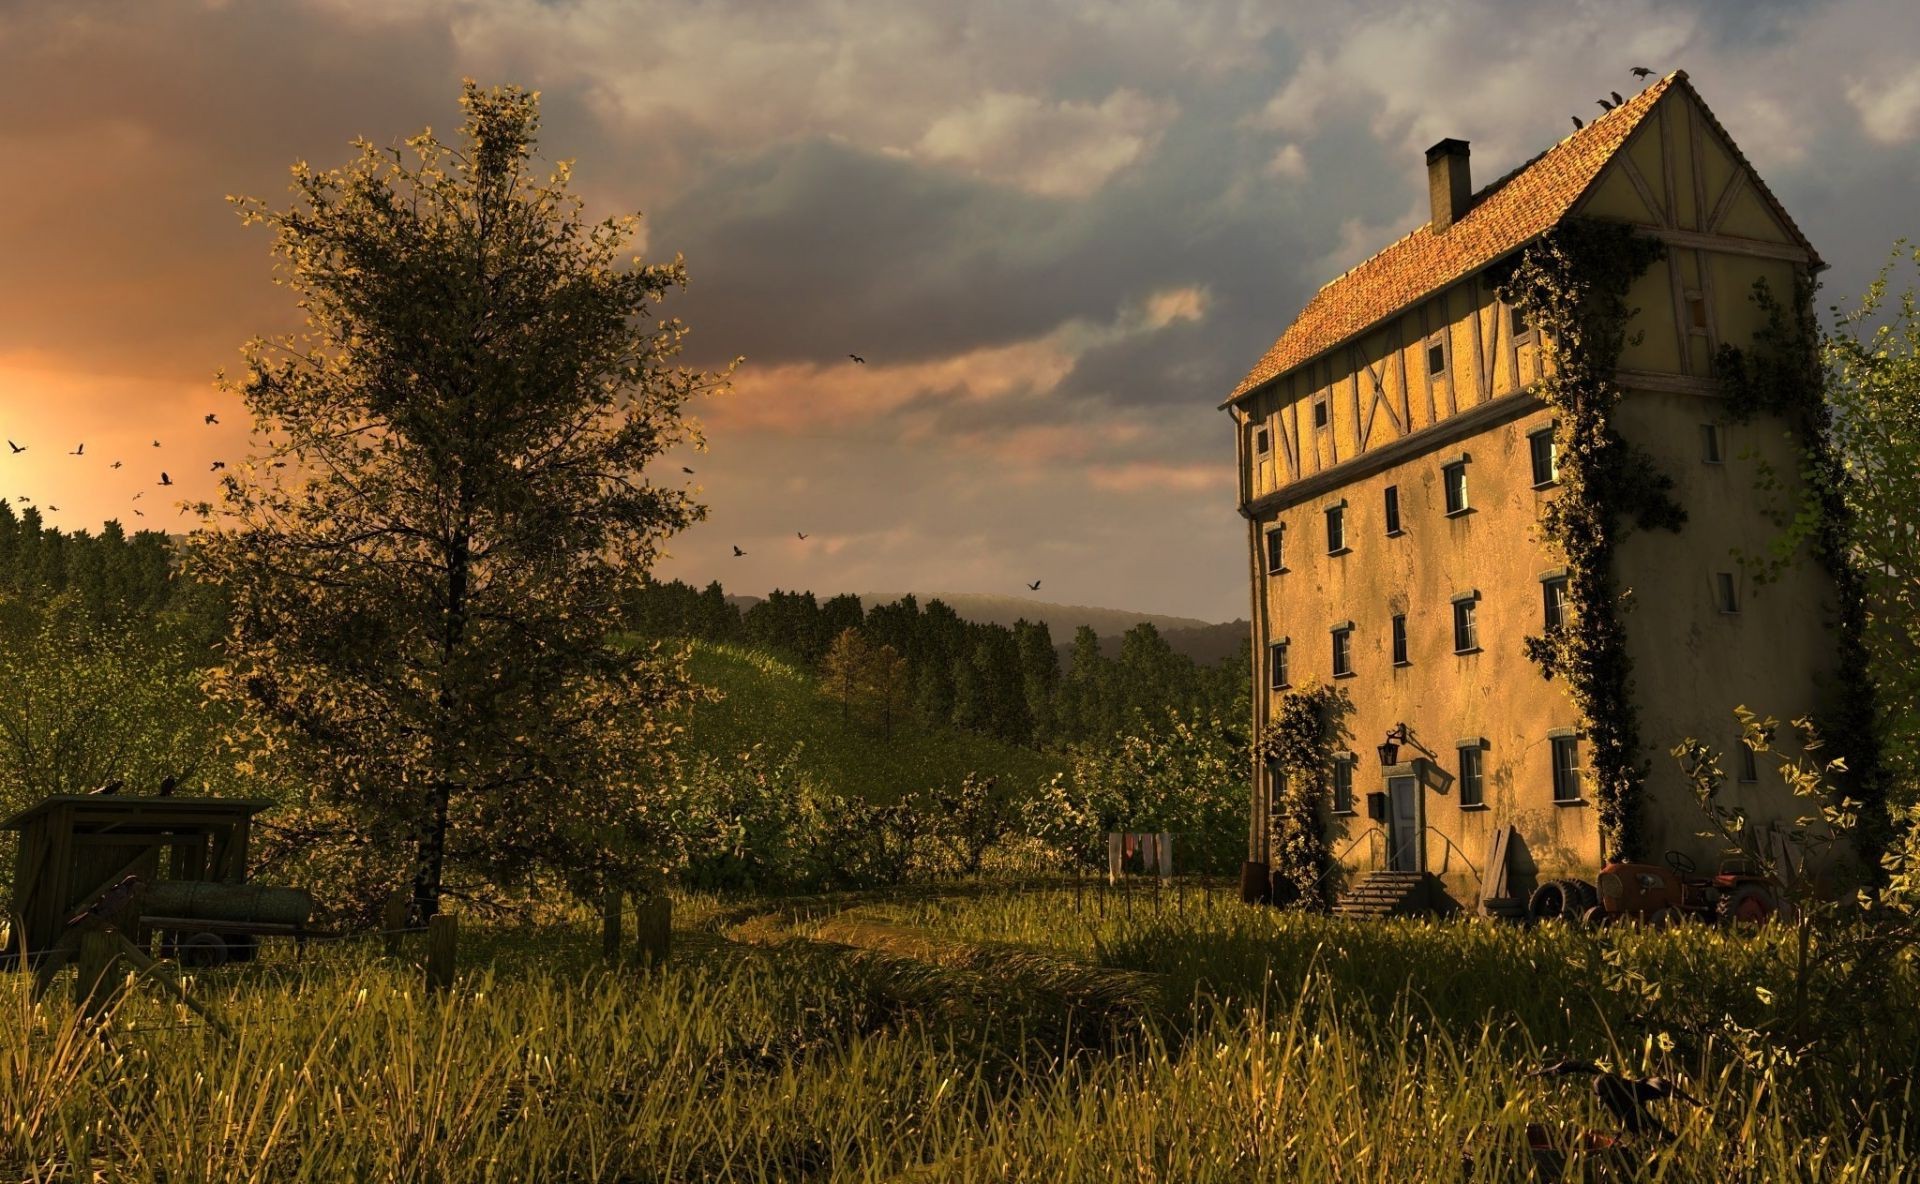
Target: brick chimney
column 1448, row 186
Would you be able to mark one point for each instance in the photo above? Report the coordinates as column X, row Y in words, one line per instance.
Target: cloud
column 1889, row 110
column 1142, row 476
column 1062, row 149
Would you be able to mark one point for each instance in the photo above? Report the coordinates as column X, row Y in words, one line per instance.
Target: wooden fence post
column 94, row 985
column 393, row 918
column 610, row 905
column 443, row 934
column 653, row 928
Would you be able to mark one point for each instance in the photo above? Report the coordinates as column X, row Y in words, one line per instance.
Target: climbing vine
column 1298, row 748
column 1572, row 286
column 1781, row 375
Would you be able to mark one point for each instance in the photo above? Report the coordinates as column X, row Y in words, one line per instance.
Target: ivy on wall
column 1298, row 748
column 1780, row 374
column 1572, row 285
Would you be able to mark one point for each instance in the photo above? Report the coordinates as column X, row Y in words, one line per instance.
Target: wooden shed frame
column 73, row 847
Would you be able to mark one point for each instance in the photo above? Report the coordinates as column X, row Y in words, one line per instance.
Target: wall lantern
column 1390, row 749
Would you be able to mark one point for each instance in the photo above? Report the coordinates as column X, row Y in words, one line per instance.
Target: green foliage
column 1849, row 510
column 765, row 699
column 969, row 819
column 1298, row 749
column 423, row 596
column 1185, row 773
column 1573, row 284
column 1843, row 954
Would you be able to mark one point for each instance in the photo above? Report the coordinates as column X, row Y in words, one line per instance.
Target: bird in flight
column 685, row 469
column 156, row 443
column 79, row 451
column 212, row 418
column 1035, row 585
column 114, row 465
column 858, row 359
column 55, row 508
column 737, row 552
column 217, row 466
column 801, row 533
column 139, row 514
column 164, row 479
column 16, row 447
column 1577, row 125
column 1640, row 72
column 138, row 496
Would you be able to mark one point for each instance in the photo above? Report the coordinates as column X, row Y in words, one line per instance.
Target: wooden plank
column 1640, row 186
column 443, row 938
column 1729, row 195
column 1728, row 244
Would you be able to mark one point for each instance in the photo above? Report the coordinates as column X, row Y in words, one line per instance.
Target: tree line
column 908, row 663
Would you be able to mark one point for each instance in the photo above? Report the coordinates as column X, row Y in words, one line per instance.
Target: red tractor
column 1737, row 893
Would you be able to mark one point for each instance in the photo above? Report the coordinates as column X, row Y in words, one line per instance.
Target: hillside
column 772, row 702
column 1060, row 619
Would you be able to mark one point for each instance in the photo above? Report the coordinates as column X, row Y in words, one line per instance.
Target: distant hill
column 770, row 701
column 1206, row 642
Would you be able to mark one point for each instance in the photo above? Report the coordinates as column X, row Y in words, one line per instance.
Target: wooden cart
column 75, row 847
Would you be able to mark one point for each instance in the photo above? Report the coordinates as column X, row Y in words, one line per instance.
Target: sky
column 1058, row 233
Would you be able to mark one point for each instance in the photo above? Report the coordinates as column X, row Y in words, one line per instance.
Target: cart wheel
column 203, row 949
column 242, row 947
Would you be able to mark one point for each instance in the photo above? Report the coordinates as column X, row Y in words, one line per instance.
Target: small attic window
column 1696, row 312
column 1436, row 356
column 1262, row 441
column 1319, row 411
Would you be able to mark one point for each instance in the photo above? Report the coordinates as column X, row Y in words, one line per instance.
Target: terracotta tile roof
column 1505, row 215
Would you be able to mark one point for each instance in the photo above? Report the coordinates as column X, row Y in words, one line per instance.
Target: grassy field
column 774, row 703
column 965, row 1034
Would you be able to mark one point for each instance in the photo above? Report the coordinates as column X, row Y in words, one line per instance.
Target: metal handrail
column 1455, row 848
column 1370, row 832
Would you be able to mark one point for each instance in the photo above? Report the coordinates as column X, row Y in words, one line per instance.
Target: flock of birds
column 1613, row 100
column 166, row 479
column 210, row 419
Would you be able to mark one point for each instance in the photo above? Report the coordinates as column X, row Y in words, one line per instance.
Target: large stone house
column 1395, row 458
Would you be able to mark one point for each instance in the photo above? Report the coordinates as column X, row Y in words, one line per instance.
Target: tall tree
column 423, row 598
column 846, row 672
column 889, row 682
column 1040, row 676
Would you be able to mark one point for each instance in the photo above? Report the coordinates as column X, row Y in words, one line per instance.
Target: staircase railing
column 1334, row 865
column 1455, row 849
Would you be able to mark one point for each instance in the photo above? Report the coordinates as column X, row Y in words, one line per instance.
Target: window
column 1436, row 355
column 1277, row 666
column 1262, row 442
column 1393, row 510
column 1696, row 312
column 1343, row 784
column 1276, row 550
column 1472, row 773
column 1342, row 650
column 1517, row 320
column 1400, row 640
column 1320, row 411
column 1566, row 769
column 1466, row 637
column 1710, row 443
column 1455, row 476
column 1725, row 592
column 1749, row 772
column 1546, row 457
column 1554, row 593
column 1336, row 529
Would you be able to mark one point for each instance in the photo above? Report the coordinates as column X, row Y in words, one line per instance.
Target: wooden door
column 1403, row 824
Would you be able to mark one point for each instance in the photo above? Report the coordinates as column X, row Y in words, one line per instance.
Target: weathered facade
column 1395, row 457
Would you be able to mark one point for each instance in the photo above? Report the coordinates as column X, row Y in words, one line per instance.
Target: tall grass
column 910, row 1041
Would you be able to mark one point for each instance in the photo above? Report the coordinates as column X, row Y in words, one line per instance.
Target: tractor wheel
column 1588, row 896
column 1664, row 917
column 203, row 949
column 1555, row 899
column 1597, row 917
column 1749, row 904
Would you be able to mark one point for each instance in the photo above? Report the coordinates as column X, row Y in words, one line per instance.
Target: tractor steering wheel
column 1680, row 862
